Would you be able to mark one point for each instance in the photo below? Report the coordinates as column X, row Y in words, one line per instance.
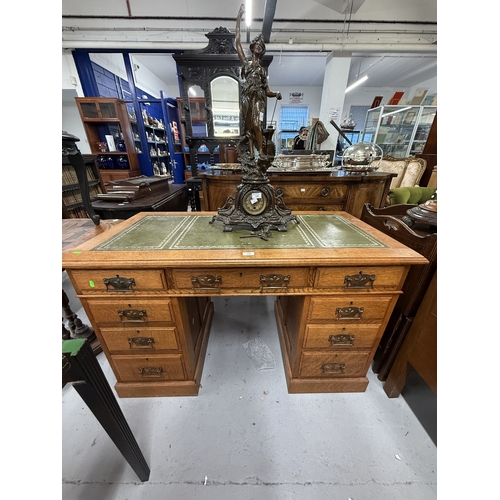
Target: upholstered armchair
column 409, row 170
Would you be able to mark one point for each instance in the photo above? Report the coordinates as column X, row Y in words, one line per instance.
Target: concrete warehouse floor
column 244, row 437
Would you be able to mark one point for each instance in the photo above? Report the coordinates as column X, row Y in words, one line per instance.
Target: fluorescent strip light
column 248, row 13
column 397, row 111
column 355, row 84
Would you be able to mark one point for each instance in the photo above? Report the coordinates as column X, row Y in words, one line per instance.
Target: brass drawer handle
column 333, row 368
column 359, row 280
column 341, row 339
column 132, row 315
column 141, row 342
column 119, row 284
column 206, row 282
column 274, row 282
column 349, row 312
column 151, row 371
column 325, row 192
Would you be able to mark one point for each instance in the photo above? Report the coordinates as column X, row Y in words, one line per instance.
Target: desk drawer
column 118, row 281
column 360, row 278
column 151, row 368
column 140, row 340
column 336, row 336
column 275, row 279
column 131, row 311
column 349, row 309
column 334, row 364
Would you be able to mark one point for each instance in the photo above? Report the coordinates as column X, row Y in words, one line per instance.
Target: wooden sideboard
column 147, row 284
column 336, row 191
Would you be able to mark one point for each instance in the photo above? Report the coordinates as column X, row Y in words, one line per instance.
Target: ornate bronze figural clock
column 256, row 204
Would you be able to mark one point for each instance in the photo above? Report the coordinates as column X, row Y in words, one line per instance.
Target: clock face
column 254, row 202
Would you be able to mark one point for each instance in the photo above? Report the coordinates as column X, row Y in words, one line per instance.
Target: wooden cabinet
column 419, row 350
column 152, row 310
column 423, row 239
column 109, row 132
column 322, row 192
column 72, row 202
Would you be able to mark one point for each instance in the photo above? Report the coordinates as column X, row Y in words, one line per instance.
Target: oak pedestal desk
column 146, row 286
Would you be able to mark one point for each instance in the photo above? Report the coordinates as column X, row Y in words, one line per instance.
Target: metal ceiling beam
column 269, row 10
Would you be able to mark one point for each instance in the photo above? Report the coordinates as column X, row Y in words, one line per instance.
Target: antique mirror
column 225, row 106
column 215, row 69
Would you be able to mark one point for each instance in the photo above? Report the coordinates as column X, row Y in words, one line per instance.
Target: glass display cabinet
column 400, row 131
column 423, row 128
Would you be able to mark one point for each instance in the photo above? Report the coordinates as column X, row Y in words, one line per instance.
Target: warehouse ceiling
column 394, row 42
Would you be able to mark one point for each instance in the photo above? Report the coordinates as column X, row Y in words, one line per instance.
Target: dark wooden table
column 80, row 367
column 176, row 199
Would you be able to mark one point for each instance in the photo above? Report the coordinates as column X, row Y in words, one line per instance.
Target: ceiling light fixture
column 248, row 13
column 355, row 84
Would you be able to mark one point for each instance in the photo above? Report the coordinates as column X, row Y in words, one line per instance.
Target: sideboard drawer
column 336, row 336
column 349, row 309
column 334, row 364
column 360, row 278
column 313, row 191
column 118, row 281
column 151, row 368
column 140, row 340
column 131, row 311
column 226, row 279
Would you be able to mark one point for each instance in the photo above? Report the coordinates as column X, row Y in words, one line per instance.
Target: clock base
column 256, row 204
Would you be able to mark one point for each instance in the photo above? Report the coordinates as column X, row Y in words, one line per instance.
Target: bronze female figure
column 254, row 89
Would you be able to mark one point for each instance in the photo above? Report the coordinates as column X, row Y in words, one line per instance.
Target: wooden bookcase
column 72, row 203
column 101, row 117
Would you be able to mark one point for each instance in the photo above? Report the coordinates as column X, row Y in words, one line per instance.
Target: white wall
column 312, row 98
column 71, row 88
column 363, row 96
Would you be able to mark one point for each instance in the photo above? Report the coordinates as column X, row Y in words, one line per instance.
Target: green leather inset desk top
column 173, row 232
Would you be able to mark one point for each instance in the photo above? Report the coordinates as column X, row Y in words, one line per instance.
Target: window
column 293, row 117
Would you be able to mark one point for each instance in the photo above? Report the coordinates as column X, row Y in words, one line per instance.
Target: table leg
column 78, row 329
column 82, row 368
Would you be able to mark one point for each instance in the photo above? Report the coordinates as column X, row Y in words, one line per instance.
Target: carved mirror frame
column 200, row 67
